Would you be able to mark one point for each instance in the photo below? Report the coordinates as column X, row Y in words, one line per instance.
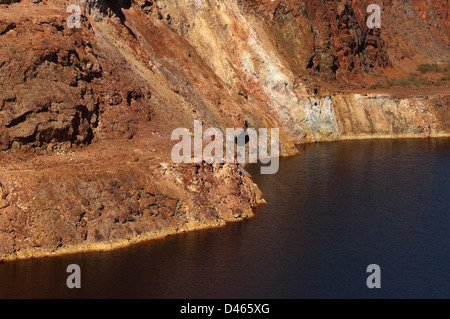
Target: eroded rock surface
column 83, row 207
column 86, row 114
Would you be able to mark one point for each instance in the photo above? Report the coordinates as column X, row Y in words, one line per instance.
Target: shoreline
column 188, row 227
column 376, row 137
column 114, row 245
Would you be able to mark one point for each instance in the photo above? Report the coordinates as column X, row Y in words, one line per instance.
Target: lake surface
column 332, row 211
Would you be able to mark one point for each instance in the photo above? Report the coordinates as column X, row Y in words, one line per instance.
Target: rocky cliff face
column 86, row 114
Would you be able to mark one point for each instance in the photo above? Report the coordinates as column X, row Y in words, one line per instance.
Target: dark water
column 332, row 211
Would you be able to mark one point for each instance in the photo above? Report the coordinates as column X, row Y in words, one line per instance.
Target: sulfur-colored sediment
column 86, row 114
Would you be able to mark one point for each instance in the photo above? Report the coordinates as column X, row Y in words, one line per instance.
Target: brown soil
column 86, row 115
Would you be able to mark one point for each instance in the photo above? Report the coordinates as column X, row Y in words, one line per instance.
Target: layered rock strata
column 86, row 114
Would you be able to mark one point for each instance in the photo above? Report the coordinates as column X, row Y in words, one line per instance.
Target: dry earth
column 86, row 114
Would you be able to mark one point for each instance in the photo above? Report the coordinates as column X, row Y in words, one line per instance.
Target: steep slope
column 86, row 114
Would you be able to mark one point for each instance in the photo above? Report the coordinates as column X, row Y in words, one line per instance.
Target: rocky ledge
column 86, row 114
column 66, row 202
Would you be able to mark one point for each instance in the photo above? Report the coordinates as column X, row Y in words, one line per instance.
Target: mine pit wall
column 65, row 210
column 365, row 116
column 372, row 116
column 226, row 62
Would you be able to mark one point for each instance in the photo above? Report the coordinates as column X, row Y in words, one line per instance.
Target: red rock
column 79, row 106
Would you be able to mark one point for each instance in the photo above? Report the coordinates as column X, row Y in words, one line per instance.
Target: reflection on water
column 333, row 210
